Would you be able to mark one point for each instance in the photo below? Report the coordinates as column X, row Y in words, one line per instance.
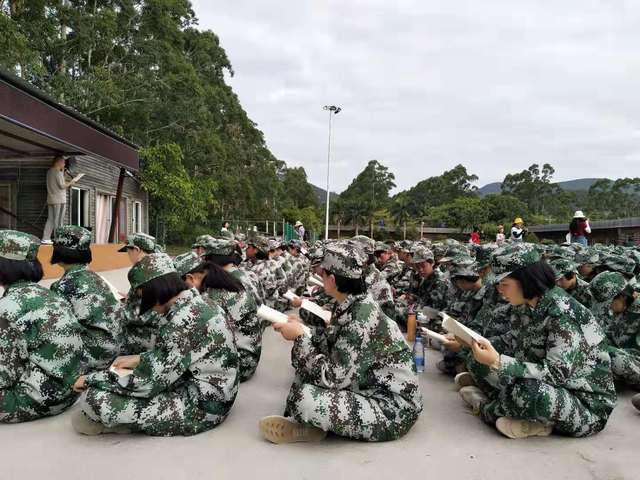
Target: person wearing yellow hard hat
column 518, row 231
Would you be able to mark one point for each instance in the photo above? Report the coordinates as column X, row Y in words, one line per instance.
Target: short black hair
column 219, row 279
column 70, row 256
column 349, row 286
column 535, row 279
column 569, row 275
column 260, row 255
column 467, row 278
column 160, row 290
column 12, row 271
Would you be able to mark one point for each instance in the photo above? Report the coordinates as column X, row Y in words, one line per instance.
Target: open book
column 434, row 335
column 77, row 178
column 309, row 306
column 274, row 316
column 465, row 334
column 313, row 280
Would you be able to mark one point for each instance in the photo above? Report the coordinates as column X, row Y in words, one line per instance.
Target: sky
column 425, row 85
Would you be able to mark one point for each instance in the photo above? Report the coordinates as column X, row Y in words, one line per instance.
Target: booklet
column 434, row 335
column 313, row 280
column 274, row 316
column 309, row 306
column 77, row 178
column 465, row 334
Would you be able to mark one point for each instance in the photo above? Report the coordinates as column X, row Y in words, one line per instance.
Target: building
column 34, row 128
column 620, row 231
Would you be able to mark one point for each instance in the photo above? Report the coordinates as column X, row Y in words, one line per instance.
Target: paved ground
column 446, row 441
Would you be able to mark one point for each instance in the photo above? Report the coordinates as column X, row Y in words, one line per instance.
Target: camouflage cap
column 367, row 244
column 344, row 259
column 187, row 262
column 421, row 254
column 588, row 256
column 405, row 245
column 261, row 243
column 440, row 249
column 144, row 242
column 463, row 266
column 484, row 253
column 221, row 247
column 316, row 254
column 203, row 241
column 381, row 247
column 563, row 266
column 16, row 245
column 150, row 267
column 72, row 237
column 514, row 257
column 607, row 285
column 619, row 263
column 295, row 243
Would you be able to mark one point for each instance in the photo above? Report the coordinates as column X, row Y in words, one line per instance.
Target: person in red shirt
column 475, row 236
column 579, row 228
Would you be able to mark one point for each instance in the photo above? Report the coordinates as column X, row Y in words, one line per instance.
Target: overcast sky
column 425, row 84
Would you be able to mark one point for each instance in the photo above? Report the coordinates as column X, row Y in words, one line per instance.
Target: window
column 137, row 217
column 79, row 207
column 8, row 204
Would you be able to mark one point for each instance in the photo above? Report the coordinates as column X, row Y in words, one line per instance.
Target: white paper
column 77, row 177
column 430, row 312
column 434, row 335
column 316, row 310
column 314, row 281
column 120, row 372
column 465, row 334
column 289, row 295
column 113, row 289
column 271, row 315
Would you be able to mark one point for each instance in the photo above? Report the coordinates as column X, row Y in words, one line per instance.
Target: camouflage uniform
column 139, row 331
column 559, row 373
column 581, row 292
column 94, row 305
column 623, row 329
column 41, row 350
column 187, row 384
column 380, row 290
column 357, row 379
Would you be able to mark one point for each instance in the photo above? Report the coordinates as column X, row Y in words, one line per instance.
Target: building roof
column 33, row 124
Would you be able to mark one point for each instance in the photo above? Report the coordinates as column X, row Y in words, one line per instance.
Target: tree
column 503, row 209
column 401, row 213
column 533, row 186
column 462, row 213
column 440, row 190
column 297, row 189
column 614, row 199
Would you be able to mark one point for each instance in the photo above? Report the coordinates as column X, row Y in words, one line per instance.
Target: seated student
column 558, row 378
column 139, row 330
column 186, row 385
column 357, row 379
column 616, row 301
column 95, row 306
column 224, row 290
column 567, row 278
column 40, row 346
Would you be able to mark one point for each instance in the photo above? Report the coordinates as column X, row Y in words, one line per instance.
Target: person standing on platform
column 56, row 198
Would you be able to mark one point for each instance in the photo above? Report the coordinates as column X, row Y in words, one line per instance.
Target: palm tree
column 356, row 213
column 339, row 213
column 400, row 211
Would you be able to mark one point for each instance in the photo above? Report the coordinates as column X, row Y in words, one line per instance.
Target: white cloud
column 425, row 85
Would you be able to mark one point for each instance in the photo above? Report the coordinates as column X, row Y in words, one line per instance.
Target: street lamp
column 333, row 110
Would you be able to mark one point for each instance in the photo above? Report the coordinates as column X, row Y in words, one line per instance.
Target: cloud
column 425, row 85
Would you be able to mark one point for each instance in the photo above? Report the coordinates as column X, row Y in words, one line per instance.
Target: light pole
column 333, row 110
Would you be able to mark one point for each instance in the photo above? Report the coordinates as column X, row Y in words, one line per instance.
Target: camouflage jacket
column 97, row 310
column 434, row 291
column 380, row 290
column 582, row 293
column 241, row 308
column 297, row 274
column 562, row 344
column 139, row 332
column 404, row 281
column 253, row 282
column 623, row 330
column 361, row 351
column 195, row 357
column 392, row 269
column 272, row 278
column 50, row 354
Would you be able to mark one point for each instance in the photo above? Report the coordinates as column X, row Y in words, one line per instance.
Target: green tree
column 503, row 209
column 401, row 212
column 614, row 198
column 462, row 213
column 533, row 186
column 297, row 189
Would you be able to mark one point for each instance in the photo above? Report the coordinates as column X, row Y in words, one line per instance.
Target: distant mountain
column 577, row 185
column 321, row 194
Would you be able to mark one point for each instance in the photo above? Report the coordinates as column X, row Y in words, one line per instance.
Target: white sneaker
column 474, row 397
column 279, row 429
column 464, row 379
column 512, row 428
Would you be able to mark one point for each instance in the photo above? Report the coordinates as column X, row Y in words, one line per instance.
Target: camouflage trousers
column 350, row 414
column 625, row 365
column 248, row 362
column 17, row 406
column 175, row 412
column 534, row 400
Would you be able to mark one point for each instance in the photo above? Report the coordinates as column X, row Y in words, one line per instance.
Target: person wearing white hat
column 579, row 228
column 299, row 230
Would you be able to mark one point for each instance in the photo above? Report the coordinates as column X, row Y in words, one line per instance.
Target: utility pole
column 333, row 110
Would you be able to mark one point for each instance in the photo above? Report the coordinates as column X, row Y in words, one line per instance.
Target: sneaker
column 46, row 242
column 464, row 379
column 635, row 401
column 512, row 428
column 474, row 397
column 84, row 425
column 279, row 429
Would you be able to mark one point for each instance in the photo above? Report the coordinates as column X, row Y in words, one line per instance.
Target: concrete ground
column 447, row 440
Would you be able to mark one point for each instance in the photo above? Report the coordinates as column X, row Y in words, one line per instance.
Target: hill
column 321, row 194
column 577, row 185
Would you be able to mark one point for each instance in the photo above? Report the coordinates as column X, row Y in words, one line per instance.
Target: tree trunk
column 338, row 229
column 357, row 229
column 371, row 228
column 404, row 231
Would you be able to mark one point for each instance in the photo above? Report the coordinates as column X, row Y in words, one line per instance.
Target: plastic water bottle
column 418, row 354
